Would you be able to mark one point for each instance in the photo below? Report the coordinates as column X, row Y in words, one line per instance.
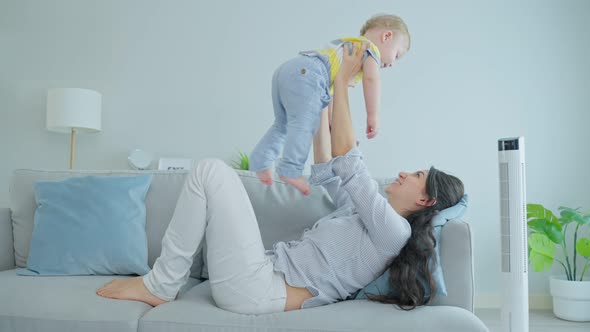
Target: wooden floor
column 539, row 321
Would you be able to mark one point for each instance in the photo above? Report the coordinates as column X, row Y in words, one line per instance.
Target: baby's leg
column 304, row 95
column 299, row 183
column 266, row 152
column 269, row 147
column 300, row 131
column 265, row 176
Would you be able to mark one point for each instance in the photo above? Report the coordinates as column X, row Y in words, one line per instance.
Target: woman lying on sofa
column 342, row 253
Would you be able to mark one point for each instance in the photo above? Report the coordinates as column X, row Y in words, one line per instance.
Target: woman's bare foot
column 265, row 176
column 298, row 183
column 129, row 289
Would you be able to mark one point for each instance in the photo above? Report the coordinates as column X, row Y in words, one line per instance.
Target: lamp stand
column 72, row 145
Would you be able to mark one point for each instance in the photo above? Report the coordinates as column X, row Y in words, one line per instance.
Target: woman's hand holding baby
column 351, row 62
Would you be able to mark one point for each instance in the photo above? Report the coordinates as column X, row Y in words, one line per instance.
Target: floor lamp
column 73, row 111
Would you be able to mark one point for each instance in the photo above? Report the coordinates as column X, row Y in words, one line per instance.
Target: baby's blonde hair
column 386, row 21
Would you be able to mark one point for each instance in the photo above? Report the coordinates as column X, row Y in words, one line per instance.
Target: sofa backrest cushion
column 160, row 202
column 282, row 212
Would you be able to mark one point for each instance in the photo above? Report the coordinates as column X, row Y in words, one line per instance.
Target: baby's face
column 393, row 47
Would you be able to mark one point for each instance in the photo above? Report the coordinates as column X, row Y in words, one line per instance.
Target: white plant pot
column 571, row 299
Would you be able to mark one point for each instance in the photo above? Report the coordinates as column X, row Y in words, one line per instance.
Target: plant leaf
column 542, row 251
column 583, row 247
column 534, row 211
column 569, row 215
column 540, row 262
column 241, row 162
column 245, row 164
column 538, row 211
column 553, row 231
column 537, row 225
column 541, row 243
column 543, row 220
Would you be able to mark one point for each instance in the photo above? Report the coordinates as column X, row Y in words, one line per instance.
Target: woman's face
column 407, row 193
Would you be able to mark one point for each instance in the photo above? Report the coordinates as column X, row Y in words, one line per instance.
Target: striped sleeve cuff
column 348, row 165
column 324, row 173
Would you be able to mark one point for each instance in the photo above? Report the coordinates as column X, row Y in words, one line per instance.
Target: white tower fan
column 513, row 229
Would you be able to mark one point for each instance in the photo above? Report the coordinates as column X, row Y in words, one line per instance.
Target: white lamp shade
column 73, row 108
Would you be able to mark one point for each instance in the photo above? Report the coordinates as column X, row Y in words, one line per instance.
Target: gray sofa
column 70, row 303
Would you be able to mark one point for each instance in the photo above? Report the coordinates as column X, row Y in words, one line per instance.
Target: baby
column 302, row 88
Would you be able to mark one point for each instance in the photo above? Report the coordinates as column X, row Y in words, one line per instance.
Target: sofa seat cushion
column 195, row 310
column 64, row 303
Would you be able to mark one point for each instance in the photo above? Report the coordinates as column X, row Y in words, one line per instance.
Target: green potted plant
column 241, row 162
column 571, row 291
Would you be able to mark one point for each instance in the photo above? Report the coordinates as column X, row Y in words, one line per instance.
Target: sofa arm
column 6, row 241
column 456, row 259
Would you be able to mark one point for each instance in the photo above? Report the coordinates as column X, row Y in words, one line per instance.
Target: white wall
column 192, row 79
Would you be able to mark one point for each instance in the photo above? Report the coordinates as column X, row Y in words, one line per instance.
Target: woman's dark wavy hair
column 410, row 269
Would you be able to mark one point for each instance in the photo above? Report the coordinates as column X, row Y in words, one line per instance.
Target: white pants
column 214, row 203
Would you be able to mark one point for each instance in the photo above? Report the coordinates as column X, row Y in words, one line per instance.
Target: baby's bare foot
column 265, row 176
column 298, row 183
column 129, row 289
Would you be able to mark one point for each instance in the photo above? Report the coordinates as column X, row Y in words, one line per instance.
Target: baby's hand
column 372, row 126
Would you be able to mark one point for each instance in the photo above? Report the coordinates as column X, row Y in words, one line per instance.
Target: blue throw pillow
column 380, row 286
column 92, row 225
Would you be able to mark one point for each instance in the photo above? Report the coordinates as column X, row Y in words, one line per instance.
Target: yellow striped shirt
column 332, row 56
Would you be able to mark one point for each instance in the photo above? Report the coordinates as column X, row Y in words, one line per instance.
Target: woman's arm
column 322, row 170
column 322, row 150
column 386, row 228
column 343, row 139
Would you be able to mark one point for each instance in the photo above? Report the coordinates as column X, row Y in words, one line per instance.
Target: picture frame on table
column 175, row 164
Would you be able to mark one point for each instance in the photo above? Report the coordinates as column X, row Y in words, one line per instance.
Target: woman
column 342, row 253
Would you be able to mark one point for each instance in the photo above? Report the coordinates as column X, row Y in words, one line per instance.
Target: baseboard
column 492, row 300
